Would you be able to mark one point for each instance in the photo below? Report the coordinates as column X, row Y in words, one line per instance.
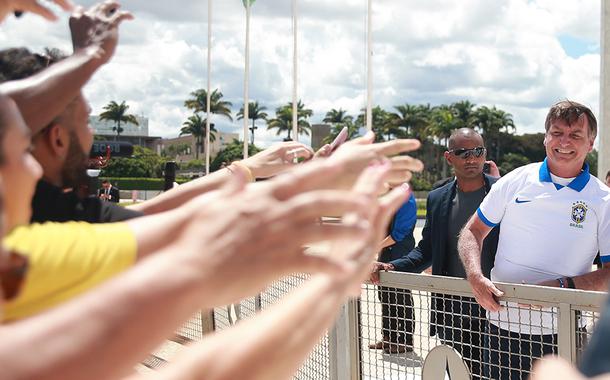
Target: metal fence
column 432, row 328
column 412, row 315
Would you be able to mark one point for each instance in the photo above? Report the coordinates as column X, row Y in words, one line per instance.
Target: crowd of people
column 88, row 288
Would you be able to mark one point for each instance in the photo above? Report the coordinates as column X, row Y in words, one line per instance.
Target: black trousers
column 397, row 317
column 460, row 322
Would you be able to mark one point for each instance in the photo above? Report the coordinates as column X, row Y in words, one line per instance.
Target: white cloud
column 492, row 52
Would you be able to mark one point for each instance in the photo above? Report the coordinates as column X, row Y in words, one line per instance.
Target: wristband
column 562, row 283
column 246, row 170
column 571, row 283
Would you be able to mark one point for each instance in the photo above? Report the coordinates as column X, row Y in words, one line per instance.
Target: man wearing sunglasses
column 555, row 218
column 457, row 321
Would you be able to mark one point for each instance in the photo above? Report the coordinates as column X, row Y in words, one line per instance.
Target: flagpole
column 247, row 80
column 295, row 116
column 369, row 67
column 207, row 105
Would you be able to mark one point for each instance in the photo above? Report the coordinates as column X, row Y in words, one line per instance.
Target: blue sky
column 519, row 55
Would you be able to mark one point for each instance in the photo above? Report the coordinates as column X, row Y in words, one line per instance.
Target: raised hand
column 97, row 28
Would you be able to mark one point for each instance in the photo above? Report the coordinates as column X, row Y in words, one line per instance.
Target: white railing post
column 343, row 346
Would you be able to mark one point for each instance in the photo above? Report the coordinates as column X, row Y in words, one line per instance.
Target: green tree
column 492, row 122
column 335, row 116
column 512, row 161
column 144, row 163
column 198, row 103
column 415, row 120
column 382, row 123
column 196, row 126
column 282, row 122
column 118, row 114
column 232, row 152
column 255, row 112
column 338, row 119
column 464, row 113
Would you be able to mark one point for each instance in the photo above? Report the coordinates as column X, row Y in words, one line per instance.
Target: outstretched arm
column 285, row 333
column 42, row 97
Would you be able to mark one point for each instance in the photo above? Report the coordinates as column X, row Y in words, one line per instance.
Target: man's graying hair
column 570, row 113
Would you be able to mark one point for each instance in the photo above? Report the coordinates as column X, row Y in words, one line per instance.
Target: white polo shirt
column 548, row 231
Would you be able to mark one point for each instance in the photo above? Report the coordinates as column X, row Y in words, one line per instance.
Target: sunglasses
column 465, row 153
column 12, row 274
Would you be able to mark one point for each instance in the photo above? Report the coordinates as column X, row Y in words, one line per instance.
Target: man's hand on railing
column 485, row 292
column 377, row 267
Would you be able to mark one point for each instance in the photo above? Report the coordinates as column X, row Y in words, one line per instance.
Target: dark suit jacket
column 432, row 248
column 115, row 195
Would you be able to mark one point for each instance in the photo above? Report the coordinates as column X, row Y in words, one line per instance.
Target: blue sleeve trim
column 604, row 259
column 485, row 220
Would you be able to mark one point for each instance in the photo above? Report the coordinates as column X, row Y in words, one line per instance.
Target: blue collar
column 577, row 183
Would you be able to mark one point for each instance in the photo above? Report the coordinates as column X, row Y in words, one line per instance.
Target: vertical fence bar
column 566, row 334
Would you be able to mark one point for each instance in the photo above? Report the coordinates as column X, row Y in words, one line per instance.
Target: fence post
column 566, row 336
column 207, row 322
column 343, row 346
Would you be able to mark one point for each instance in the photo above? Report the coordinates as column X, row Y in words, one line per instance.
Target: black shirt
column 52, row 204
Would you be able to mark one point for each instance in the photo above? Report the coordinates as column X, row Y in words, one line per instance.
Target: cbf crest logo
column 579, row 213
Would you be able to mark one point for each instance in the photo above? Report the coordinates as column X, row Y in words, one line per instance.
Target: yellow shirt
column 65, row 260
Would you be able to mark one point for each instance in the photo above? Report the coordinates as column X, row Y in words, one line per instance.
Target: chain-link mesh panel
column 400, row 323
column 192, row 329
column 587, row 321
column 317, row 365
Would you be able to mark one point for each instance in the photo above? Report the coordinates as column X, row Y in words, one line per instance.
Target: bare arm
column 271, row 161
column 470, row 245
column 596, row 280
column 42, row 97
column 388, row 241
column 285, row 333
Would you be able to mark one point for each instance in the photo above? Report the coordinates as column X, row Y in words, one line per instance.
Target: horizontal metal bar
column 533, row 294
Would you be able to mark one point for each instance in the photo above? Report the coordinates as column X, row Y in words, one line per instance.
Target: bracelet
column 571, row 283
column 246, row 170
column 562, row 283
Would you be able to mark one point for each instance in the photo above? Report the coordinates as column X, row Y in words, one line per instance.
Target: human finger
column 66, row 5
column 406, row 163
column 324, row 151
column 315, row 233
column 37, row 8
column 315, row 204
column 368, row 138
column 391, row 148
column 297, row 152
column 396, row 177
column 389, row 204
column 375, row 275
column 312, row 175
column 372, row 178
column 121, row 16
column 108, row 8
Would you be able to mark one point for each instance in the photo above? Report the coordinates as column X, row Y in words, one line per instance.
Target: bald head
column 464, row 134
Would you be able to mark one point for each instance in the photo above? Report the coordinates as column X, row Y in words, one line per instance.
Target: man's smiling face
column 567, row 146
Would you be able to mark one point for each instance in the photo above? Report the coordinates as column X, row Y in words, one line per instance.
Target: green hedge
column 124, row 183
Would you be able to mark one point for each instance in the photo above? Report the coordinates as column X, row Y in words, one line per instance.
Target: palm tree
column 335, row 116
column 382, row 123
column 283, row 120
column 464, row 113
column 118, row 113
column 339, row 119
column 195, row 125
column 255, row 112
column 414, row 119
column 198, row 103
column 492, row 122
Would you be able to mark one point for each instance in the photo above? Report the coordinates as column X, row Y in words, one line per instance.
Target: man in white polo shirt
column 555, row 218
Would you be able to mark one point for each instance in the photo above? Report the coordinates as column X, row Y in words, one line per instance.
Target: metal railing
column 415, row 314
column 432, row 326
